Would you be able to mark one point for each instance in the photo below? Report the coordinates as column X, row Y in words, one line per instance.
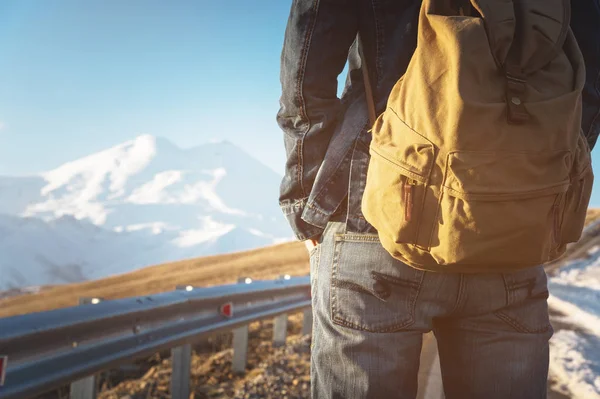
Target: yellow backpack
column 478, row 163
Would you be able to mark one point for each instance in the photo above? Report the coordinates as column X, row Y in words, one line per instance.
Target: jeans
column 371, row 311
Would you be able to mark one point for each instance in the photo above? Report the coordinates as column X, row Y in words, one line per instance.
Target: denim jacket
column 326, row 138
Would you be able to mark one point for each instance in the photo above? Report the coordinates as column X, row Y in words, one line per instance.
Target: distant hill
column 263, row 263
column 140, row 203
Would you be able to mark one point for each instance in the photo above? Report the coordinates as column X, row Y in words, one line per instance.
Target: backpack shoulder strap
column 524, row 36
column 367, row 82
column 527, row 34
column 540, row 30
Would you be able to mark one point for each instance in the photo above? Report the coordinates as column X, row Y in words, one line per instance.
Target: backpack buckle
column 516, row 87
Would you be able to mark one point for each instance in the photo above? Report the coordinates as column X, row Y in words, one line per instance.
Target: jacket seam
column 294, row 207
column 315, row 208
column 377, row 44
column 325, row 186
column 300, row 95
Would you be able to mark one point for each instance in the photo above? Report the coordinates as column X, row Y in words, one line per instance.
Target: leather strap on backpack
column 367, row 82
column 510, row 19
column 515, row 70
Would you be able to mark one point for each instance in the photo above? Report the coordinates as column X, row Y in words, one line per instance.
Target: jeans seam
column 353, row 237
column 314, row 250
column 459, row 295
column 353, row 287
column 523, row 284
column 317, row 258
column 510, row 289
column 420, row 276
column 518, row 326
column 333, row 277
column 314, row 285
column 395, row 281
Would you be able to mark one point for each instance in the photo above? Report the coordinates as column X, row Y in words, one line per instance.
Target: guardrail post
column 181, row 358
column 280, row 330
column 307, row 321
column 86, row 388
column 280, row 324
column 240, row 349
column 240, row 341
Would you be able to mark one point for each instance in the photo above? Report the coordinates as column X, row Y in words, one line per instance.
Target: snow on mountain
column 143, row 202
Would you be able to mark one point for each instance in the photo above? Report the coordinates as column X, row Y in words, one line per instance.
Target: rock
column 162, row 388
column 272, row 373
column 149, row 374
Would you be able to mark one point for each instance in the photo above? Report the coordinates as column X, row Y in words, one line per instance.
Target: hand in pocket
column 311, row 244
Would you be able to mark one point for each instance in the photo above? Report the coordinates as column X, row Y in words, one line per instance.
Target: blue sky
column 80, row 76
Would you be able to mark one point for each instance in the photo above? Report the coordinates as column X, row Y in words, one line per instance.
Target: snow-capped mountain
column 143, row 202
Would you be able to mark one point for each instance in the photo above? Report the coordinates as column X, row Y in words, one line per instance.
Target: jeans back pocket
column 370, row 290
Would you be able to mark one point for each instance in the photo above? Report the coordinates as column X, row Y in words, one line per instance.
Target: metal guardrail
column 50, row 349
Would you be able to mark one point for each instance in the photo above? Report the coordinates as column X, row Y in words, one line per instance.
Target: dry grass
column 263, row 263
column 592, row 214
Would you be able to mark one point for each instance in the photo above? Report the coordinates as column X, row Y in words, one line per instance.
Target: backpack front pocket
column 397, row 179
column 500, row 210
column 576, row 204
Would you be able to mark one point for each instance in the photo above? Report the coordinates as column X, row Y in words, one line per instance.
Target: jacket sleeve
column 585, row 23
column 317, row 38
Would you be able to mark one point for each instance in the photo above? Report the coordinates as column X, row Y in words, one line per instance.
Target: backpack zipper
column 408, row 198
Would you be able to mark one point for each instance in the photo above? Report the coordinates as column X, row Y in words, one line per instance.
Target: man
column 370, row 310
